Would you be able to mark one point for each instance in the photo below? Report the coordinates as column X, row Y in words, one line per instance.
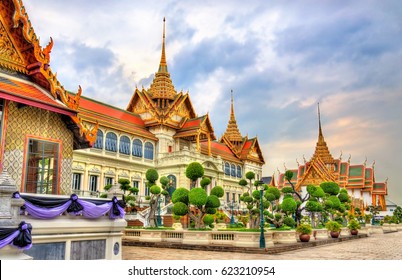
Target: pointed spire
column 232, row 131
column 162, row 87
column 163, row 64
column 321, row 149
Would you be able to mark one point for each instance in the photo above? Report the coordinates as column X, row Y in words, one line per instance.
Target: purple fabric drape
column 20, row 238
column 75, row 206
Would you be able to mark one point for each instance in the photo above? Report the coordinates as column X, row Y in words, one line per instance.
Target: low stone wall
column 193, row 237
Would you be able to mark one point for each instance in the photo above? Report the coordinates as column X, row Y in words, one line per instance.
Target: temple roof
column 321, row 148
column 112, row 117
column 232, row 132
column 219, row 149
column 162, row 86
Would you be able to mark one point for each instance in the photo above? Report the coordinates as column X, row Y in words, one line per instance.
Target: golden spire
column 163, row 64
column 162, row 87
column 321, row 149
column 232, row 131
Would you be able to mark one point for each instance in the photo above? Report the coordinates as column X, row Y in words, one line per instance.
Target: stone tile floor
column 376, row 247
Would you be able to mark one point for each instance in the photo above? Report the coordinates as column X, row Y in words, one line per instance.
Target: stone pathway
column 376, row 247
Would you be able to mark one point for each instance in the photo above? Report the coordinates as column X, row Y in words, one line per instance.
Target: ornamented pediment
column 139, row 107
column 9, row 56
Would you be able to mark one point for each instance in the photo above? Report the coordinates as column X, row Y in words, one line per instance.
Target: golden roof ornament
column 321, row 149
column 162, row 86
column 232, row 132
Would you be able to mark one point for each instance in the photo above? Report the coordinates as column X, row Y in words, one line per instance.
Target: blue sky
column 279, row 57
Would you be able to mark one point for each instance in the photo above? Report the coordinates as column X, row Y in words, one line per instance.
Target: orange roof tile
column 27, row 93
column 220, row 149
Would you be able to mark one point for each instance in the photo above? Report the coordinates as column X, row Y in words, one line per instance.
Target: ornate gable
column 20, row 52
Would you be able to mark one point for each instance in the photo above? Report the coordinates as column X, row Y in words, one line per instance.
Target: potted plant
column 354, row 226
column 304, row 231
column 334, row 228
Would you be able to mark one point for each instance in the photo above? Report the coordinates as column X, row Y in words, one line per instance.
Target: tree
column 250, row 175
column 398, row 214
column 151, row 176
column 196, row 202
column 300, row 204
column 205, row 182
column 194, row 171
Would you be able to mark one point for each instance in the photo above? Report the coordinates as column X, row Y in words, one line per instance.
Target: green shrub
column 205, row 182
column 155, row 189
column 331, row 188
column 217, row 191
column 103, row 195
column 287, row 190
column 213, row 202
column 194, row 171
column 289, row 205
column 180, row 209
column 353, row 224
column 333, row 226
column 289, row 221
column 164, row 180
column 208, row 219
column 197, row 197
column 180, row 195
column 304, row 229
column 152, row 175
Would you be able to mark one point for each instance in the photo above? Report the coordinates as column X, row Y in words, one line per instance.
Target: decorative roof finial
column 372, row 166
column 163, row 64
column 386, row 181
column 279, row 172
column 232, row 132
column 350, row 156
column 284, row 166
column 298, row 163
column 365, row 162
column 340, row 156
column 304, row 159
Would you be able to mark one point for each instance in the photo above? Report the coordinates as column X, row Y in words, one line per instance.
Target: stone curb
column 276, row 249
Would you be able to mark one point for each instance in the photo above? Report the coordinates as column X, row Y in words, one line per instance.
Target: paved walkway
column 376, row 247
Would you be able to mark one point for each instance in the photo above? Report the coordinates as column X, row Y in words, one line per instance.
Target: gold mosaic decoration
column 42, row 123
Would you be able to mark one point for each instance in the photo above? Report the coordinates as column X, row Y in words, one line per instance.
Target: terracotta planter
column 354, row 231
column 304, row 237
column 334, row 234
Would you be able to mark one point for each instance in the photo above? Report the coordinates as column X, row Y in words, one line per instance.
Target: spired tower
column 358, row 179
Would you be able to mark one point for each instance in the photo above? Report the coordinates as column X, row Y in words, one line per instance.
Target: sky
column 280, row 58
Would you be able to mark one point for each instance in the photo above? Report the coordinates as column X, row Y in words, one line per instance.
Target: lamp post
column 158, row 217
column 232, row 221
column 262, row 237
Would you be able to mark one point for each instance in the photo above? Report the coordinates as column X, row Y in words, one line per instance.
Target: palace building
column 58, row 142
column 160, row 129
column 358, row 179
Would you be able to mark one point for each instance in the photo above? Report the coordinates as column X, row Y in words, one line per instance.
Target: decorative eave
column 320, row 168
column 36, row 61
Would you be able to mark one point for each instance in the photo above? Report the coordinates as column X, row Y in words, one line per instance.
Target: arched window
column 233, row 170
column 137, row 148
column 149, row 151
column 124, row 146
column 239, row 171
column 111, row 142
column 227, row 168
column 99, row 140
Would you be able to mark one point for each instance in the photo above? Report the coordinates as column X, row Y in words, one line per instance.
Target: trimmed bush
column 180, row 195
column 180, row 209
column 208, row 219
column 289, row 221
column 274, row 191
column 155, row 189
column 164, row 180
column 217, row 191
column 289, row 205
column 287, row 190
column 256, row 194
column 197, row 197
column 331, row 188
column 152, row 175
column 194, row 171
column 205, row 182
column 213, row 202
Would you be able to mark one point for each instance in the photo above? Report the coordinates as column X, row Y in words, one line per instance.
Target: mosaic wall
column 41, row 123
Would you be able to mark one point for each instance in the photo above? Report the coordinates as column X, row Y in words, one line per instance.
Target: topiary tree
column 151, row 176
column 300, row 206
column 197, row 202
column 194, row 171
column 250, row 175
column 164, row 183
